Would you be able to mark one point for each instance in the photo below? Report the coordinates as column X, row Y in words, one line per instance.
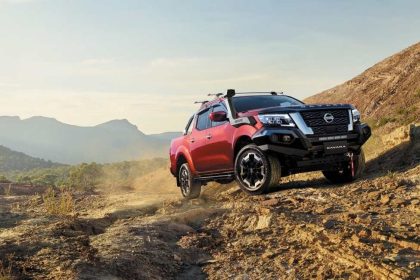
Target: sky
column 85, row 62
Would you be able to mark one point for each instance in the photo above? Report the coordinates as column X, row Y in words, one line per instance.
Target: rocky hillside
column 388, row 92
column 305, row 229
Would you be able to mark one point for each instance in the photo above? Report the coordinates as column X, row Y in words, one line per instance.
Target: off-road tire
column 344, row 175
column 190, row 188
column 265, row 164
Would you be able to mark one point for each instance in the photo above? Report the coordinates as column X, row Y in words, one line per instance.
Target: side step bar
column 216, row 177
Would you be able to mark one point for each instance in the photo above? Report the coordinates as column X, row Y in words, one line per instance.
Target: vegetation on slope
column 387, row 94
column 86, row 176
column 12, row 160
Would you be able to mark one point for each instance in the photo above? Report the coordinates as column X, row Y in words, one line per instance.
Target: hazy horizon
column 85, row 126
column 87, row 62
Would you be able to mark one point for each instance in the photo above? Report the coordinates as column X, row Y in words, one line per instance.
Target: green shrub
column 24, row 180
column 88, row 176
column 3, row 179
column 85, row 176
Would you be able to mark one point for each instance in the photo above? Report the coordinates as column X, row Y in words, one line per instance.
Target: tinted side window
column 203, row 121
column 218, row 108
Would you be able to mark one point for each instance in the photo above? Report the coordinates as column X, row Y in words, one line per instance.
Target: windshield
column 248, row 103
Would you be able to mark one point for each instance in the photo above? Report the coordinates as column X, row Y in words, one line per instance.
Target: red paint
column 210, row 150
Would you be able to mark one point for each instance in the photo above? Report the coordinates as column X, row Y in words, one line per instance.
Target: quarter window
column 189, row 126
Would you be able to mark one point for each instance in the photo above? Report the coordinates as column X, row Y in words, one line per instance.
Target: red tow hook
column 350, row 156
column 352, row 164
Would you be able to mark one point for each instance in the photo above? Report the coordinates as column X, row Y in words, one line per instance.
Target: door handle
column 208, row 136
column 192, row 140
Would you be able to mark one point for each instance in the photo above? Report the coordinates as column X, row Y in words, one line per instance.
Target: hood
column 298, row 108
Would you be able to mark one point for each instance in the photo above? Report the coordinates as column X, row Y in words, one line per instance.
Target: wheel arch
column 241, row 142
column 182, row 158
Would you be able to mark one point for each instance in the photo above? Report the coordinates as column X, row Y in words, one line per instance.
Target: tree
column 85, row 176
column 24, row 179
column 3, row 179
column 48, row 180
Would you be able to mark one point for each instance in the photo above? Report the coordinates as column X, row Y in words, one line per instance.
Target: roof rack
column 217, row 95
column 231, row 92
column 201, row 102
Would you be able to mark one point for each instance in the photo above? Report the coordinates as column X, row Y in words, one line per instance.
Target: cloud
column 244, row 78
column 9, row 85
column 174, row 62
column 97, row 61
column 17, row 1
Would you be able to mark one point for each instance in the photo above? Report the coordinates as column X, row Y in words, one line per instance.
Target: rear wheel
column 346, row 175
column 190, row 188
column 255, row 171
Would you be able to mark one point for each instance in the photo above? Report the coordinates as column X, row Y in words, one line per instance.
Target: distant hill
column 168, row 136
column 16, row 161
column 113, row 141
column 388, row 92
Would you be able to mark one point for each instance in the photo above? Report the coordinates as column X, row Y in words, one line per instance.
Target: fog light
column 286, row 138
column 366, row 131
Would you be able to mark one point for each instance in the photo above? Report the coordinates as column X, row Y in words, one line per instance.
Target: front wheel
column 349, row 173
column 255, row 171
column 190, row 188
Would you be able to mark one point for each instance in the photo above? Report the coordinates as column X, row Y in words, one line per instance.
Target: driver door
column 198, row 141
column 219, row 144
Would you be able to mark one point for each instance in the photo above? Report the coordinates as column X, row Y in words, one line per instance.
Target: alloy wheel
column 252, row 171
column 184, row 179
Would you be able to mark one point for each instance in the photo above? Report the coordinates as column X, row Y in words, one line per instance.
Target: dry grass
column 391, row 175
column 5, row 272
column 61, row 204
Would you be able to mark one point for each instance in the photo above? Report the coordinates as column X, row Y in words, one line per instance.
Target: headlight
column 356, row 115
column 277, row 120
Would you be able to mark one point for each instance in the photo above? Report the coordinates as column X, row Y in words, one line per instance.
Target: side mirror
column 219, row 116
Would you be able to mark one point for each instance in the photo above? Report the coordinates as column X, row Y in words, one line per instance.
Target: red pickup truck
column 256, row 138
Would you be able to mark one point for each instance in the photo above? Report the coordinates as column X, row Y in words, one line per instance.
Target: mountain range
column 113, row 141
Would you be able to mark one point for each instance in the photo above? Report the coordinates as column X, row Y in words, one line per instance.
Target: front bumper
column 310, row 147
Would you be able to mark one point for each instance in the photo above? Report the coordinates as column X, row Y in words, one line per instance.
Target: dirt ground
column 306, row 228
